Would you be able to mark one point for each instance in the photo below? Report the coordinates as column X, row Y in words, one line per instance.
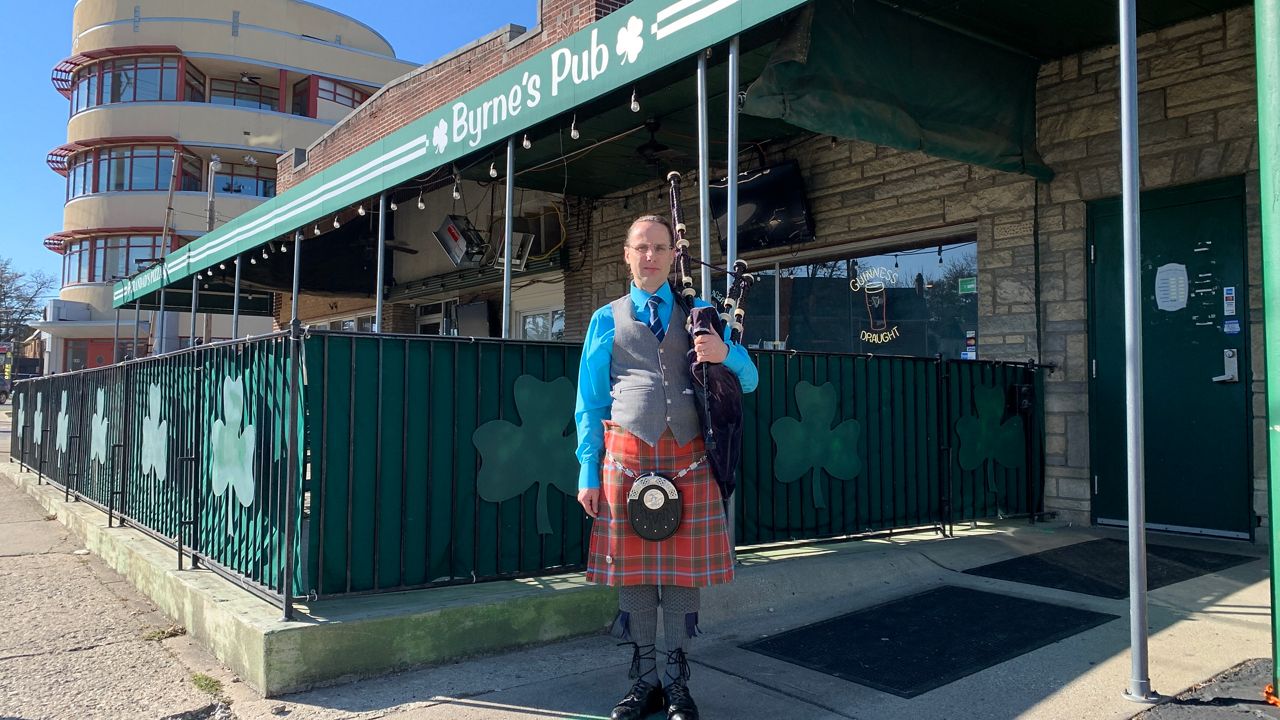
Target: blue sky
column 35, row 119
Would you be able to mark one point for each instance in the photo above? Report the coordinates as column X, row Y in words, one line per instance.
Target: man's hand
column 710, row 348
column 590, row 501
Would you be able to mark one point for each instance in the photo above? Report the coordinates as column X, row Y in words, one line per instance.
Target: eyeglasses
column 655, row 249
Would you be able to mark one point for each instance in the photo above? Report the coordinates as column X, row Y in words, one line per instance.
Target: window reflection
column 914, row 301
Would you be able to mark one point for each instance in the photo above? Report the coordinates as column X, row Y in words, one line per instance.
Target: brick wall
column 316, row 310
column 1198, row 121
column 431, row 86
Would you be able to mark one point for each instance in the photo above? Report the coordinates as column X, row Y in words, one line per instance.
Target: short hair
column 661, row 220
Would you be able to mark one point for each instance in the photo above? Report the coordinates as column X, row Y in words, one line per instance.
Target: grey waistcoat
column 651, row 386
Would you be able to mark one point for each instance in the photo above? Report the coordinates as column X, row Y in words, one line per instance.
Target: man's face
column 649, row 255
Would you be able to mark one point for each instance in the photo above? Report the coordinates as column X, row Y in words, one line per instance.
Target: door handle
column 1230, row 368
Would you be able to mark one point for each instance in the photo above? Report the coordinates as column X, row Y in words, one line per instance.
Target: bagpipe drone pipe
column 717, row 390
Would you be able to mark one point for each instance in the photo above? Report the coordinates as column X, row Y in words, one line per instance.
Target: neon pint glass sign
column 872, row 283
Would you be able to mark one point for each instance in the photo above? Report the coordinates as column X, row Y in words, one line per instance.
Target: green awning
column 864, row 71
column 613, row 52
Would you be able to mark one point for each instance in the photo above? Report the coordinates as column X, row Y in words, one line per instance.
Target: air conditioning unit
column 521, row 244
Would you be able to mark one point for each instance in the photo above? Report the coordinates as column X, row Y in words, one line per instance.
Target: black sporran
column 653, row 507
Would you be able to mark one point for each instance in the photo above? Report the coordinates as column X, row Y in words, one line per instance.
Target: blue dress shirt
column 594, row 401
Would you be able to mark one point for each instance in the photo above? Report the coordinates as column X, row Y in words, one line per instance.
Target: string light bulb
column 573, row 128
column 222, row 266
column 316, row 230
column 421, row 205
column 264, row 253
column 939, row 254
column 457, row 188
column 493, row 169
column 284, row 246
column 895, row 262
column 393, row 206
column 336, row 224
column 360, row 210
column 635, row 101
column 526, row 143
column 253, row 261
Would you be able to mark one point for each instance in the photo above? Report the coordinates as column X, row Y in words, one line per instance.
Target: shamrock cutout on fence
column 60, row 439
column 231, row 448
column 37, row 423
column 536, row 452
column 987, row 437
column 98, row 428
column 440, row 136
column 155, row 436
column 814, row 443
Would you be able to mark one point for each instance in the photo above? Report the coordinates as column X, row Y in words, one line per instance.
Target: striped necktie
column 655, row 320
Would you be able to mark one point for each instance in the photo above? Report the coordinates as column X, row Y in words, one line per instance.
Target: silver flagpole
column 731, row 216
column 235, row 304
column 115, row 340
column 704, row 179
column 508, row 227
column 1139, row 689
column 382, row 261
column 160, row 322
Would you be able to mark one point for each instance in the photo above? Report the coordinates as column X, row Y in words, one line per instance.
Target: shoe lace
column 638, row 653
column 681, row 661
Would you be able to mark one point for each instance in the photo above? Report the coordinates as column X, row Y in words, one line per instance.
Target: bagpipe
column 717, row 391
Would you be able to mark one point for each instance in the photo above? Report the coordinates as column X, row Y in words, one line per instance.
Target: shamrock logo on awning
column 440, row 136
column 231, row 448
column 155, row 436
column 814, row 443
column 538, row 451
column 987, row 437
column 630, row 40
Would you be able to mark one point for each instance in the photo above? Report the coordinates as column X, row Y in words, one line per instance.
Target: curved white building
column 156, row 92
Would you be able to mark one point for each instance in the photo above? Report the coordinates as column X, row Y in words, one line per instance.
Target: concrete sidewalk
column 1199, row 628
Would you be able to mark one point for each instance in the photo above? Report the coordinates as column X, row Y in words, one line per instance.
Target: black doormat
column 1101, row 567
column 915, row 644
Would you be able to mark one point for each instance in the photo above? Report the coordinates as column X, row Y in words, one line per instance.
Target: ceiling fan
column 653, row 152
column 251, row 79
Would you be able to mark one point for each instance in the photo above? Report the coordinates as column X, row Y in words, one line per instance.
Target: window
column 919, row 301
column 140, row 79
column 243, row 94
column 246, row 180
column 542, row 325
column 302, row 98
column 194, row 85
column 339, row 93
column 437, row 318
column 107, row 259
column 360, row 323
column 129, row 167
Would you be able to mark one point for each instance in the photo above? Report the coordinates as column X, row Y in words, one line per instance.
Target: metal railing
column 425, row 461
column 190, row 447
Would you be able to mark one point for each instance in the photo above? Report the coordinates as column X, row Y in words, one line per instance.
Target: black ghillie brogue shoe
column 680, row 705
column 643, row 700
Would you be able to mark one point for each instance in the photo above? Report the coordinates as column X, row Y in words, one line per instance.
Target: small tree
column 20, row 300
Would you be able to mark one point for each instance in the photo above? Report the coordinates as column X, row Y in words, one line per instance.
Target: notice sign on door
column 1228, row 301
column 1171, row 287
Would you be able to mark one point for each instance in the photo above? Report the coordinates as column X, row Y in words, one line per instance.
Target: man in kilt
column 636, row 415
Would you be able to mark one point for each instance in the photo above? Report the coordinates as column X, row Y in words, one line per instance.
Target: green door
column 1194, row 326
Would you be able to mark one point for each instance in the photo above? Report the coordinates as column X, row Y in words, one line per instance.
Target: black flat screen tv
column 772, row 208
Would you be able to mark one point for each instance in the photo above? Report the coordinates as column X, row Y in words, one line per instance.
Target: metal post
column 731, row 216
column 508, row 227
column 195, row 303
column 115, row 340
column 382, row 261
column 295, row 458
column 777, row 305
column 1267, row 23
column 159, row 348
column 704, row 172
column 137, row 321
column 235, row 303
column 1139, row 689
column 214, row 166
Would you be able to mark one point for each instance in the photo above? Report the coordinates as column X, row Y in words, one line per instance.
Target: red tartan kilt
column 697, row 555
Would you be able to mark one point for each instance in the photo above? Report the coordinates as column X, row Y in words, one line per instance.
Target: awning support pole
column 1267, row 25
column 292, row 498
column 137, row 321
column 1139, row 688
column 115, row 340
column 382, row 261
column 704, row 172
column 731, row 216
column 195, row 303
column 235, row 304
column 159, row 348
column 508, row 227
